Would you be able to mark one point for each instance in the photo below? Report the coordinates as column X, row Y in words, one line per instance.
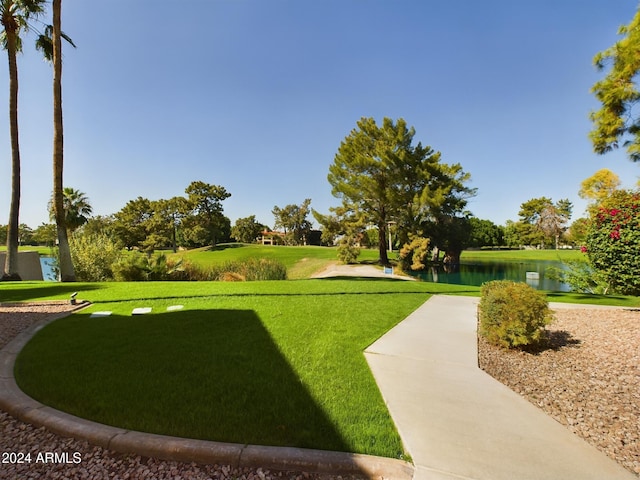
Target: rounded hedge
column 512, row 314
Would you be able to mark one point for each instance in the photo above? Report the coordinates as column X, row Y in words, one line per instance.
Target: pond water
column 476, row 273
column 472, row 273
column 48, row 273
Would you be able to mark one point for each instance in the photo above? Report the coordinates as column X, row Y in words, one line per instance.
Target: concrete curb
column 18, row 404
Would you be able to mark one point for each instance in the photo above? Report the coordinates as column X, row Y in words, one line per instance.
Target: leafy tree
column 618, row 94
column 194, row 221
column 3, row 234
column 485, row 233
column 444, row 220
column 193, row 233
column 413, row 255
column 450, row 234
column 330, row 227
column 366, row 170
column 381, row 178
column 519, row 233
column 554, row 218
column 163, row 225
column 14, row 17
column 613, row 241
column 247, row 230
column 98, row 225
column 206, row 203
column 25, row 234
column 441, row 214
column 293, row 220
column 131, row 223
column 45, row 234
column 577, row 232
column 541, row 221
column 599, row 186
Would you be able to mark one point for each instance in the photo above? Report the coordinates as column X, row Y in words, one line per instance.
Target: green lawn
column 274, row 363
column 301, row 262
column 520, row 255
column 42, row 251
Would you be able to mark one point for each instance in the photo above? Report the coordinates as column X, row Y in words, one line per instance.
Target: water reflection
column 48, row 272
column 477, row 273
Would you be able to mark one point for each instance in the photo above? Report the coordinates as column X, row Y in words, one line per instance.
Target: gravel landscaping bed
column 80, row 460
column 588, row 378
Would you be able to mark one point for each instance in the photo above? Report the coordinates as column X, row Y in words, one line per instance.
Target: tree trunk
column 11, row 263
column 67, row 273
column 382, row 243
column 452, row 258
column 173, row 235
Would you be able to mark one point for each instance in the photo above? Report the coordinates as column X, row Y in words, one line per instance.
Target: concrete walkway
column 366, row 271
column 456, row 421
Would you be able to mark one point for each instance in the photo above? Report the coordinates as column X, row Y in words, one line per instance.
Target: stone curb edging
column 18, row 404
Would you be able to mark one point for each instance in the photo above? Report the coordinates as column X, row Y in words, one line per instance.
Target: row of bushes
column 139, row 267
column 97, row 259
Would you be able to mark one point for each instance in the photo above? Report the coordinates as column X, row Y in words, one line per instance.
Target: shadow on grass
column 225, row 246
column 289, row 294
column 204, row 374
column 363, row 279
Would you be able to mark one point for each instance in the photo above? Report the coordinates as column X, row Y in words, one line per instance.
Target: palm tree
column 76, row 209
column 51, row 45
column 14, row 15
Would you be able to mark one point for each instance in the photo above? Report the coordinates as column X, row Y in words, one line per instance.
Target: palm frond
column 68, row 39
column 45, row 45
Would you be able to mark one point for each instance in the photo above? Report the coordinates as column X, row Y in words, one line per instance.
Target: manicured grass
column 42, row 251
column 301, row 262
column 589, row 299
column 275, row 363
column 520, row 255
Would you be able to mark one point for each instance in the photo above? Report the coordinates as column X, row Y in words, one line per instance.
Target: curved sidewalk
column 456, row 421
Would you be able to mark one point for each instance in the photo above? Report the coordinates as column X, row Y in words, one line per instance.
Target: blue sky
column 256, row 96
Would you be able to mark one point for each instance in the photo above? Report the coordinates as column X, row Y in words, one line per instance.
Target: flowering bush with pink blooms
column 613, row 242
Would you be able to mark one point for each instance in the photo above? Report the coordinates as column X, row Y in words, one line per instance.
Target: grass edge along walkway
column 271, row 314
column 274, row 363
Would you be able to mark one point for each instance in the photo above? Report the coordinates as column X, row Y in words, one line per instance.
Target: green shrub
column 138, row 267
column 262, row 269
column 580, row 276
column 512, row 314
column 348, row 249
column 613, row 241
column 130, row 268
column 413, row 255
column 93, row 257
column 251, row 269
